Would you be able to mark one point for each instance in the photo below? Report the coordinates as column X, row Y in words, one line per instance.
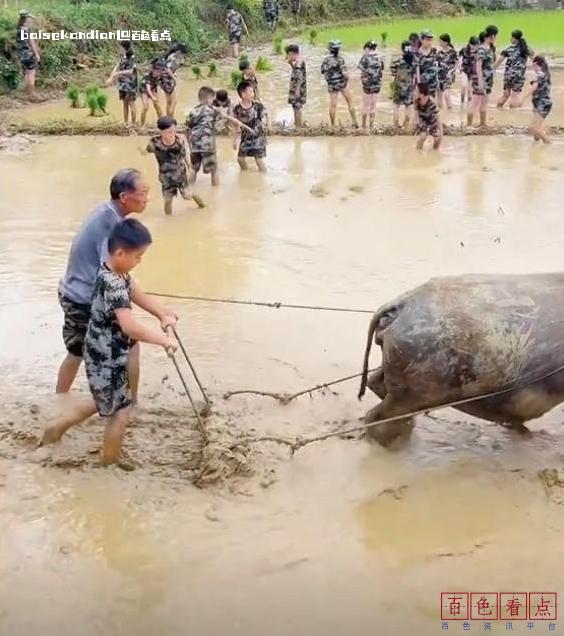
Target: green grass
column 544, row 30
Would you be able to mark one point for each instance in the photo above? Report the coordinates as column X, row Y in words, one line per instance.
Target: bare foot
column 198, row 201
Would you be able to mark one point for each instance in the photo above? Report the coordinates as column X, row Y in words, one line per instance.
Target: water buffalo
column 465, row 336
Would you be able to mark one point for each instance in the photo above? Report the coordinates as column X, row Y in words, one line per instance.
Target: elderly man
column 129, row 194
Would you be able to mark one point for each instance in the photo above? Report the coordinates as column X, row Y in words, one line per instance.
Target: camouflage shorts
column 235, row 37
column 205, row 160
column 109, row 386
column 429, row 127
column 404, row 97
column 513, row 83
column 542, row 107
column 127, row 96
column 488, row 85
column 168, row 84
column 75, row 325
column 29, row 62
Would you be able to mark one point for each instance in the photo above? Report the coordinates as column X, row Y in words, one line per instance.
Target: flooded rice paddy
column 273, row 87
column 345, row 537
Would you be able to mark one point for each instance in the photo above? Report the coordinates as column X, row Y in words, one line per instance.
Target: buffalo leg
column 387, row 432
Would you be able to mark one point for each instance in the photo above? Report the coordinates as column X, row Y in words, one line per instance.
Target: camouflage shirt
column 106, row 346
column 167, row 81
column 297, row 95
column 428, row 112
column 371, row 70
column 428, row 67
column 23, row 46
column 403, row 85
column 255, row 118
column 173, row 62
column 171, row 159
column 467, row 60
column 271, row 9
column 149, row 79
column 515, row 64
column 234, row 23
column 447, row 60
column 334, row 69
column 200, row 125
column 486, row 55
column 541, row 94
column 127, row 83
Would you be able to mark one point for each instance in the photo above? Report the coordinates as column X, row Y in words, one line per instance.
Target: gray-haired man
column 129, row 195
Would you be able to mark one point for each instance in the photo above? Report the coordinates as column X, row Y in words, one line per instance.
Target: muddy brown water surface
column 273, row 86
column 345, row 537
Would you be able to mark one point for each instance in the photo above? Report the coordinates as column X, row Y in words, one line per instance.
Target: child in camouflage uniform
column 371, row 70
column 542, row 102
column 334, row 70
column 149, row 90
column 467, row 54
column 201, row 124
column 297, row 94
column 170, row 151
column 515, row 57
column 27, row 50
column 482, row 77
column 235, row 26
column 111, row 332
column 253, row 135
column 447, row 59
column 271, row 10
column 249, row 75
column 426, row 63
column 125, row 72
column 403, row 84
column 428, row 117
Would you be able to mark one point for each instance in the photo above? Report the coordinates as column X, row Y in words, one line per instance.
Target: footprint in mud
column 319, row 190
column 356, row 189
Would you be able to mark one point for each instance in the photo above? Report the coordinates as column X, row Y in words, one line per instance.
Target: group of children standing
column 161, row 74
column 423, row 77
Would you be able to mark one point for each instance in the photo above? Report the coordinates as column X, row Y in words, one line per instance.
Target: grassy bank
column 198, row 23
column 544, row 30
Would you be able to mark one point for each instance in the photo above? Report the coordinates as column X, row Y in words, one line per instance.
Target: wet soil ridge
column 70, row 127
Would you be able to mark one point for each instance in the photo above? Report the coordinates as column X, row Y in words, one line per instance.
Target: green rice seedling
column 236, row 79
column 263, row 64
column 313, row 36
column 197, row 72
column 102, row 102
column 74, row 95
column 212, row 69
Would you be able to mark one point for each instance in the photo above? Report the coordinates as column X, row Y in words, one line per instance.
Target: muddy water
column 273, row 87
column 344, row 537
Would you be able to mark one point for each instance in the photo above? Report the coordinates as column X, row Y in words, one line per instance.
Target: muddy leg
column 503, row 99
column 348, row 98
column 333, row 107
column 385, row 434
column 82, row 411
column 168, row 205
column 113, row 436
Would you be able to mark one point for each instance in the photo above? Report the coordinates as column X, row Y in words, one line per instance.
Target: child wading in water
column 467, row 62
column 149, row 90
column 516, row 55
column 428, row 113
column 111, row 332
column 200, row 127
column 403, row 85
column 253, row 136
column 249, row 75
column 447, row 58
column 371, row 70
column 483, row 75
column 170, row 151
column 542, row 102
column 334, row 70
column 297, row 94
column 126, row 74
column 235, row 26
